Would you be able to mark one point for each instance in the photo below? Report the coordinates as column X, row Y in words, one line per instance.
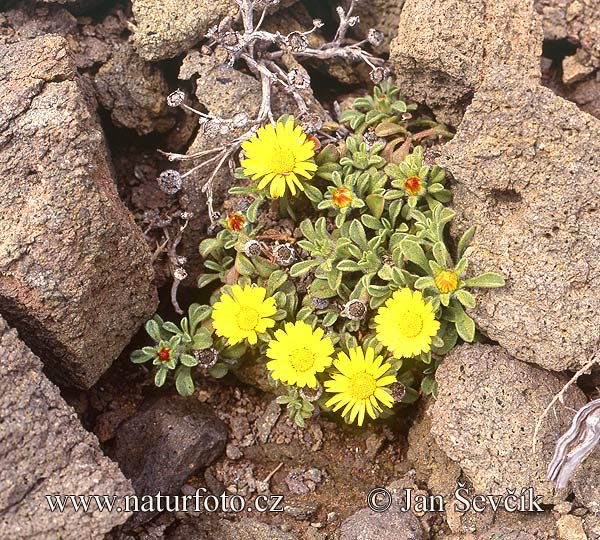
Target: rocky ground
column 85, row 259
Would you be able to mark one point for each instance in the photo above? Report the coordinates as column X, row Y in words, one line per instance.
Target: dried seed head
column 353, row 21
column 298, row 78
column 398, row 391
column 176, row 98
column 181, row 260
column 207, row 358
column 318, row 23
column 252, row 248
column 311, row 123
column 355, row 310
column 186, row 216
column 320, row 303
column 296, row 41
column 180, row 273
column 170, row 181
column 284, row 254
column 239, row 120
column 371, row 139
column 311, row 394
column 379, row 74
column 375, row 37
column 232, row 41
column 387, row 259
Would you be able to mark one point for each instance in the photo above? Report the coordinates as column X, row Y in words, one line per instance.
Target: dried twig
column 576, row 444
column 559, row 397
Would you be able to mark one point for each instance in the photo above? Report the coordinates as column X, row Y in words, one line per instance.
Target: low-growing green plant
column 353, row 309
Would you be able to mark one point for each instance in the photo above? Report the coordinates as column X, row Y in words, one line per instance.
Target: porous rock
column 75, row 272
column 515, row 526
column 167, row 441
column 393, row 524
column 486, row 414
column 134, row 91
column 44, row 450
column 245, row 529
column 166, row 28
column 445, row 47
column 526, row 166
column 382, row 15
column 577, row 21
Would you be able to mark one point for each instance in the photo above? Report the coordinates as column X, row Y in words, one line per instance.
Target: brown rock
column 445, row 47
column 575, row 69
column 45, row 451
column 75, row 272
column 382, row 15
column 485, row 417
column 134, row 91
column 516, row 526
column 575, row 20
column 587, row 96
column 526, row 168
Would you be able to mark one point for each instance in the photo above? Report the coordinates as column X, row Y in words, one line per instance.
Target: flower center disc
column 283, row 161
column 248, row 318
column 302, row 359
column 362, row 386
column 410, row 325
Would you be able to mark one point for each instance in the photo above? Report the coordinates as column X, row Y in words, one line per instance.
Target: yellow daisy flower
column 298, row 354
column 406, row 324
column 279, row 155
column 358, row 387
column 243, row 315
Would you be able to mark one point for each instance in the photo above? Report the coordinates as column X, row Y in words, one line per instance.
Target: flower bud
column 320, row 303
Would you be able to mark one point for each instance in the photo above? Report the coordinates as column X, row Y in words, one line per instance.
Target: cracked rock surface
column 44, row 450
column 485, row 417
column 526, row 166
column 75, row 271
column 445, row 47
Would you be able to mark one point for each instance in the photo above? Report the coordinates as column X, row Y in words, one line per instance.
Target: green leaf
column 463, row 243
column 330, row 318
column 321, row 289
column 208, row 246
column 139, row 356
column 188, row 360
column 302, row 267
column 234, row 351
column 198, row 313
column 160, row 377
column 276, row 280
column 219, row 370
column 202, row 339
column 440, row 253
column 252, row 212
column 205, row 279
column 424, row 282
column 329, row 154
column 153, row 330
column 465, row 298
column 348, row 266
column 488, row 280
column 171, row 327
column 357, row 233
column 376, row 204
column 428, row 385
column 243, row 265
column 465, row 326
column 371, row 222
column 414, row 253
column 313, row 193
column 184, row 382
column 264, row 267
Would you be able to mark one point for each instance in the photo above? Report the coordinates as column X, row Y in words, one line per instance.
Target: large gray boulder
column 445, row 47
column 75, row 271
column 485, row 417
column 526, row 164
column 45, row 451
